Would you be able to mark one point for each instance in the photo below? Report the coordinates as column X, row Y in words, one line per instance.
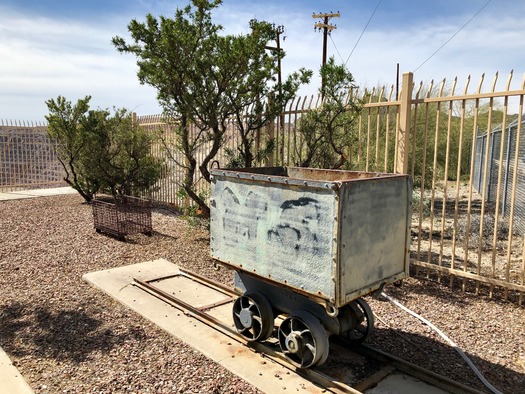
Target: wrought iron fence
column 459, row 233
column 28, row 157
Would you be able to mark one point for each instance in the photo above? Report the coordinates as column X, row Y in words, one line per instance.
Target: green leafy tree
column 326, row 130
column 65, row 126
column 100, row 151
column 204, row 79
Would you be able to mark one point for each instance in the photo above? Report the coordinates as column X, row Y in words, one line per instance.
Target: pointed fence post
column 403, row 133
column 270, row 130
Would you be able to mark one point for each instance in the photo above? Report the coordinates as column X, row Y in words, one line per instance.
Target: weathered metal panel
column 280, row 231
column 335, row 235
column 373, row 233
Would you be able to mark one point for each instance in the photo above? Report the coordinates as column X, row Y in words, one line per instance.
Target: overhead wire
column 363, row 32
column 454, row 35
column 335, row 46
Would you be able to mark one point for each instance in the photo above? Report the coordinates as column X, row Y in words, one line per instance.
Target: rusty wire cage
column 123, row 216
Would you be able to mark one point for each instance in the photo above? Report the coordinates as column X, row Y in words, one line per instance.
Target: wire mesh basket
column 123, row 216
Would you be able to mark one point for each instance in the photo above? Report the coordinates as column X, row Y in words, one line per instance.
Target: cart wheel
column 362, row 321
column 253, row 316
column 303, row 340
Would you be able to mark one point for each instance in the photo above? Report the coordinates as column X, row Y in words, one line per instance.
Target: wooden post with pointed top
column 403, row 133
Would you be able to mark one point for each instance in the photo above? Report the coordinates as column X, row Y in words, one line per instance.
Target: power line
column 454, row 35
column 363, row 32
column 335, row 46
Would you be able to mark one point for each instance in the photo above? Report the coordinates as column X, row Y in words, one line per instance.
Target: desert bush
column 100, row 151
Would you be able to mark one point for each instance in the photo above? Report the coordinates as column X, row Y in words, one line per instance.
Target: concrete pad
column 13, row 196
column 54, row 191
column 241, row 360
column 10, row 379
column 21, row 194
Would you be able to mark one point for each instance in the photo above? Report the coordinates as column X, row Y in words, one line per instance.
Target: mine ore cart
column 306, row 244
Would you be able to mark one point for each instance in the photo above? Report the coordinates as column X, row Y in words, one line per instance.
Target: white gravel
column 66, row 337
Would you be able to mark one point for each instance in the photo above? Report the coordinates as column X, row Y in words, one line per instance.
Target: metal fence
column 459, row 233
column 443, row 139
column 283, row 131
column 28, row 157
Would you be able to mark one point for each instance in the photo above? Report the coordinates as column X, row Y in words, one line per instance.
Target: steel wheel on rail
column 362, row 321
column 253, row 316
column 303, row 340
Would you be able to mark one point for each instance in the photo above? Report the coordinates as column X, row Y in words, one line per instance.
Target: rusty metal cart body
column 308, row 243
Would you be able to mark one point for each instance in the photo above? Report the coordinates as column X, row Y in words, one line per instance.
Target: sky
column 62, row 47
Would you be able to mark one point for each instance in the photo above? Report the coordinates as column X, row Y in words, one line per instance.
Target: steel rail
column 391, row 362
column 318, row 377
column 415, row 370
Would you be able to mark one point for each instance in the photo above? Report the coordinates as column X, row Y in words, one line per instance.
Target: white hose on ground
column 456, row 348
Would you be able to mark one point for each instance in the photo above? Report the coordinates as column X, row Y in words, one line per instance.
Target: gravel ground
column 66, row 337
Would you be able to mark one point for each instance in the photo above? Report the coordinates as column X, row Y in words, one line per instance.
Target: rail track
column 336, row 376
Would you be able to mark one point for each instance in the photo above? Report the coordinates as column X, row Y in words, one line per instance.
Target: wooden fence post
column 403, row 133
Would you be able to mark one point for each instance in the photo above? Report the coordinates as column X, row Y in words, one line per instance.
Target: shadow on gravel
column 140, row 239
column 444, row 360
column 64, row 335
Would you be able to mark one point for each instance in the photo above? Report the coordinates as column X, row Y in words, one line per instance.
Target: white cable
column 456, row 348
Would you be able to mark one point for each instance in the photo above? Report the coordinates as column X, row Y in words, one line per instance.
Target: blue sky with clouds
column 63, row 47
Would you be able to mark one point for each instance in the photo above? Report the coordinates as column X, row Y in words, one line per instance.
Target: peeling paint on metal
column 334, row 234
column 275, row 230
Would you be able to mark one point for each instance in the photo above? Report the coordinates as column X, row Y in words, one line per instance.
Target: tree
column 205, row 79
column 100, row 151
column 326, row 130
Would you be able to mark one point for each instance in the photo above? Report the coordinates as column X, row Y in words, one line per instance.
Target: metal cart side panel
column 374, row 225
column 280, row 230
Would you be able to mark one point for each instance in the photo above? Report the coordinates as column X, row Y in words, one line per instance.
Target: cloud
column 44, row 58
column 491, row 42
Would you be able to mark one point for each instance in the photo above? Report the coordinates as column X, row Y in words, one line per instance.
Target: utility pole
column 326, row 29
column 279, row 30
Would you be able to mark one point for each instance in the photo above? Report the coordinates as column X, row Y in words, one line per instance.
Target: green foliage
column 375, row 135
column 205, row 79
column 443, row 136
column 326, row 131
column 236, row 158
column 417, row 205
column 100, row 151
column 65, row 123
column 442, row 148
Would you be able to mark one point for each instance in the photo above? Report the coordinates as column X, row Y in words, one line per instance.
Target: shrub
column 100, row 151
